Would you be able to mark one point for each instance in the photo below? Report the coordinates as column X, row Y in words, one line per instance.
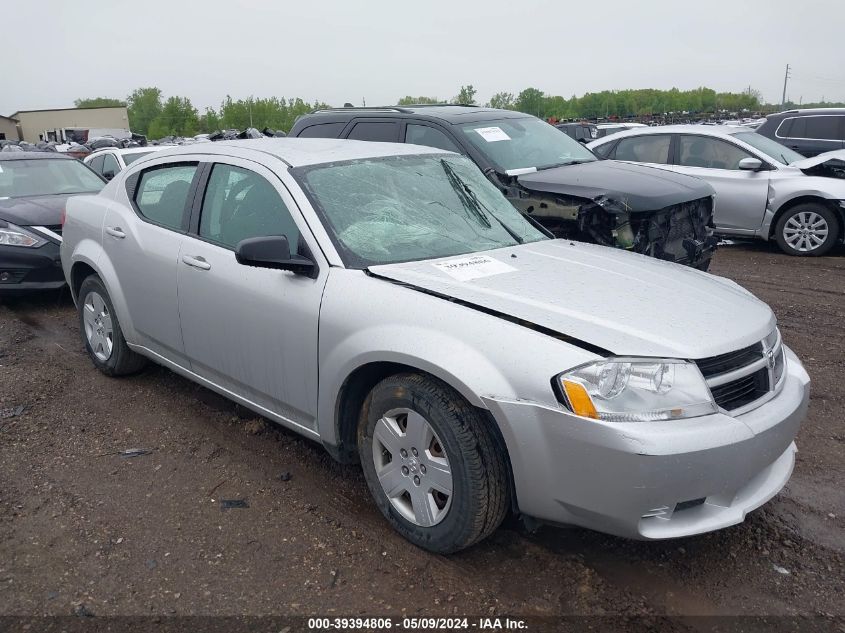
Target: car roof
column 34, row 156
column 299, row 152
column 808, row 112
column 603, row 126
column 128, row 150
column 454, row 114
column 719, row 131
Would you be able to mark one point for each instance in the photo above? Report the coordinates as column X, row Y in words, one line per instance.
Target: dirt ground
column 85, row 530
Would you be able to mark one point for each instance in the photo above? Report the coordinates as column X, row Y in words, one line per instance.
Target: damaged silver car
column 388, row 302
column 764, row 189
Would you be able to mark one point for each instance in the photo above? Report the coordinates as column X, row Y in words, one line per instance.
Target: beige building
column 53, row 125
column 8, row 128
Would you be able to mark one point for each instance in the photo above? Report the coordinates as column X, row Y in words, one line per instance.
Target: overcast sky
column 379, row 50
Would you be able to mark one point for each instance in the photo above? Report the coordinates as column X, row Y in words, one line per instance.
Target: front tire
column 431, row 463
column 101, row 331
column 807, row 230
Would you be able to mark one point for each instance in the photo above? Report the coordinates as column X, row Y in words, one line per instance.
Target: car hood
column 624, row 303
column 636, row 187
column 837, row 157
column 33, row 210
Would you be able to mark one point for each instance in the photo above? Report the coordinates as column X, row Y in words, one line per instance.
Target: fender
column 473, row 357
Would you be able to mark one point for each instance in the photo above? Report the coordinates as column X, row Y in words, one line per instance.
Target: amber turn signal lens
column 579, row 400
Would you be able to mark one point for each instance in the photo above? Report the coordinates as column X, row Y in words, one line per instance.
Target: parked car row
column 387, row 301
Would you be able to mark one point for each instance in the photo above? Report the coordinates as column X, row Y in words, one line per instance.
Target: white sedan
column 763, row 189
column 111, row 161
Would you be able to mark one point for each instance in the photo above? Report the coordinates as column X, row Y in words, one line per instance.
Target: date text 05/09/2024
column 418, row 624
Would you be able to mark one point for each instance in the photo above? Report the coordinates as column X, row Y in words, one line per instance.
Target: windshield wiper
column 472, row 203
column 460, row 187
column 577, row 161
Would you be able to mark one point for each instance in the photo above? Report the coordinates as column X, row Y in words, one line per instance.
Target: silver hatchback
column 388, row 302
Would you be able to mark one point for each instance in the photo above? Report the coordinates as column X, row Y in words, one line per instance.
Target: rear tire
column 417, row 439
column 807, row 230
column 101, row 333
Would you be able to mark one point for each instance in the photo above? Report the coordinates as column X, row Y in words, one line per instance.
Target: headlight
column 12, row 235
column 636, row 390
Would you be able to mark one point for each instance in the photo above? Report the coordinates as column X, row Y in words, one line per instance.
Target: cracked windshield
column 409, row 208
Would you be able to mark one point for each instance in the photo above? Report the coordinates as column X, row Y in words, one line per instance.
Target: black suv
column 808, row 132
column 581, row 132
column 548, row 175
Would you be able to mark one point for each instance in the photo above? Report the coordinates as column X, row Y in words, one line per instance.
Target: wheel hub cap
column 412, row 467
column 98, row 326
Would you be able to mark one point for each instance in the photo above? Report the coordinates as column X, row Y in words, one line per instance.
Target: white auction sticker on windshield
column 474, row 267
column 492, row 134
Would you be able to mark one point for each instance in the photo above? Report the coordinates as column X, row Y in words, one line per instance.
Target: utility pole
column 785, row 78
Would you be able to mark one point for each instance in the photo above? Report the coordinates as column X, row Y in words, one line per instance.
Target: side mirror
column 750, row 164
column 273, row 252
column 108, row 175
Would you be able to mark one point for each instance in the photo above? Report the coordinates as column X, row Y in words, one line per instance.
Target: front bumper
column 27, row 269
column 652, row 480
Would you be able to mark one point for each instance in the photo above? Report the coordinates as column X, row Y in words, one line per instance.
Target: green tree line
column 154, row 116
column 619, row 103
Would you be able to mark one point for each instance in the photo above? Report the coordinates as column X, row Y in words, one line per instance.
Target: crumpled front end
column 643, row 209
column 680, row 233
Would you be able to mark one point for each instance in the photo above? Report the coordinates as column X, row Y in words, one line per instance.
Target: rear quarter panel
column 83, row 243
column 82, row 232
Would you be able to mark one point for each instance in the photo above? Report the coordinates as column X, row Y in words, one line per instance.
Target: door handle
column 196, row 262
column 115, row 231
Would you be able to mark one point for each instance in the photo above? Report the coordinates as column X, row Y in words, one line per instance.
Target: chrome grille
column 716, row 365
column 744, row 378
column 742, row 391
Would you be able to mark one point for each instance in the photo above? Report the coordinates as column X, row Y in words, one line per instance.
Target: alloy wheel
column 412, row 467
column 805, row 231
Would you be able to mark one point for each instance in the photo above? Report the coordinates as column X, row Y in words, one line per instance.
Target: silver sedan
column 388, row 302
column 763, row 189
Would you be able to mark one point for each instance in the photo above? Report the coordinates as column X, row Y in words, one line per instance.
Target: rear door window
column 110, row 164
column 651, row 148
column 604, row 150
column 783, row 130
column 798, row 129
column 386, row 132
column 97, row 164
column 429, row 136
column 323, row 130
column 162, row 194
column 823, row 128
